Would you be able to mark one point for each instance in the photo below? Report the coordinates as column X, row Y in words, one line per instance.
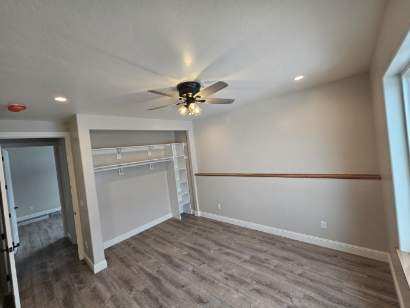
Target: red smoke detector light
column 16, row 107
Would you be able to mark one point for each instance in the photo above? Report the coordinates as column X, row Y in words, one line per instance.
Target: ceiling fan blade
column 217, row 86
column 165, row 92
column 212, row 100
column 160, row 107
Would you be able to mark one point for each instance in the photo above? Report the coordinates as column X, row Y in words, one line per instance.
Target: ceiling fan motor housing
column 188, row 88
column 191, row 95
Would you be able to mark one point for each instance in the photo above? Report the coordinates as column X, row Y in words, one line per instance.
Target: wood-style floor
column 203, row 263
column 37, row 237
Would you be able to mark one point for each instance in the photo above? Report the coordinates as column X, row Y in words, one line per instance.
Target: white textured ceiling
column 104, row 55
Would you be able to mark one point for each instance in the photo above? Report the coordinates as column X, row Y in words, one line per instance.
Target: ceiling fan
column 189, row 96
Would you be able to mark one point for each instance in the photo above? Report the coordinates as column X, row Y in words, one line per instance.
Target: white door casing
column 8, row 237
column 71, row 174
column 10, row 198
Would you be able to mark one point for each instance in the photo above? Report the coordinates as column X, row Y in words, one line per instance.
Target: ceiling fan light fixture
column 183, row 110
column 198, row 111
column 192, row 107
column 195, row 110
column 190, row 95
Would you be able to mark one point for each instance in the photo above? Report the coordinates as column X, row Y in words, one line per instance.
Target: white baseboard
column 396, row 283
column 38, row 214
column 135, row 231
column 30, row 221
column 96, row 268
column 353, row 249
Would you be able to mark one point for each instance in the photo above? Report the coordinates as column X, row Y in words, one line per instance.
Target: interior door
column 10, row 198
column 7, row 245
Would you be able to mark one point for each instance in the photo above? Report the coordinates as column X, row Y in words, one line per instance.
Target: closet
column 142, row 178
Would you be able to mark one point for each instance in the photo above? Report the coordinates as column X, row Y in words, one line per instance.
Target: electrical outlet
column 219, row 206
column 323, row 224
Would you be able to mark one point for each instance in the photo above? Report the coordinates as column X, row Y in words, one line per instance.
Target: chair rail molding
column 336, row 176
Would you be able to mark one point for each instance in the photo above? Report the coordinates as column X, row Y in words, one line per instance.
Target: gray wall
column 140, row 195
column 327, row 129
column 34, row 177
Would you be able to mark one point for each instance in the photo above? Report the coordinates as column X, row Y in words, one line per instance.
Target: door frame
column 10, row 193
column 71, row 174
column 8, row 236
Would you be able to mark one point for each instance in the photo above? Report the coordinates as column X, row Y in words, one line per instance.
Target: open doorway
column 34, row 199
column 40, row 210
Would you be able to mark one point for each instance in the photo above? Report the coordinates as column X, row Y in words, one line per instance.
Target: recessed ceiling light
column 61, row 99
column 187, row 60
column 300, row 77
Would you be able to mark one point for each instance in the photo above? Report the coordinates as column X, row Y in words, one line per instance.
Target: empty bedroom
column 205, row 153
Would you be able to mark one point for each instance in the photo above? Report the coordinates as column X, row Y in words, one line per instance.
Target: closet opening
column 37, row 210
column 142, row 179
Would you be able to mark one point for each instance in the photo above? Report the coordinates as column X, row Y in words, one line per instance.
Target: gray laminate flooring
column 38, row 236
column 202, row 263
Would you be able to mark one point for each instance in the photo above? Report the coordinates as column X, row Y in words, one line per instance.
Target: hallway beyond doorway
column 37, row 236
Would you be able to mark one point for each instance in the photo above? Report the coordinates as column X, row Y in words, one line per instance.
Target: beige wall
column 327, row 129
column 395, row 26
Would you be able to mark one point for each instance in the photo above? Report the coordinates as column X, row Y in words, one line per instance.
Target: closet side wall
column 182, row 137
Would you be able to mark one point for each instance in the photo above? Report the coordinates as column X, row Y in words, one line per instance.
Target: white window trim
column 404, row 257
column 405, row 85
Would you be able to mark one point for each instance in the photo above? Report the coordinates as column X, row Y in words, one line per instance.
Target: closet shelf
column 136, row 148
column 132, row 148
column 131, row 164
column 111, row 158
column 183, row 193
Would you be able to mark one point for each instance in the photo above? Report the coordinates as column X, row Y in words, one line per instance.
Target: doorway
column 38, row 207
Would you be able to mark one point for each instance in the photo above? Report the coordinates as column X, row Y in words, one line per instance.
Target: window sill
column 404, row 258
